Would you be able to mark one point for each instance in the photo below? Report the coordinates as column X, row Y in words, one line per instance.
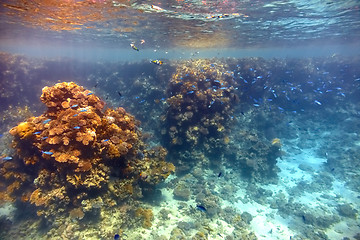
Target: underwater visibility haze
column 180, row 119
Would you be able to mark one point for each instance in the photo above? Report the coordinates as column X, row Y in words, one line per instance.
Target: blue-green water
column 255, row 102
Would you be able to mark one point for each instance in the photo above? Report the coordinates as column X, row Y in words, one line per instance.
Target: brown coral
column 146, row 215
column 200, row 105
column 73, row 148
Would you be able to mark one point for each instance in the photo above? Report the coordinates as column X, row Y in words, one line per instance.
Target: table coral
column 75, row 148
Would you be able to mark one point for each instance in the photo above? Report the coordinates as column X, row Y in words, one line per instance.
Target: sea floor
column 307, row 201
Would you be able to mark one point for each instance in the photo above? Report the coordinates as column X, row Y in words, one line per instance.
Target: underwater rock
column 177, row 234
column 246, row 217
column 185, row 226
column 181, row 192
column 346, row 210
column 146, row 215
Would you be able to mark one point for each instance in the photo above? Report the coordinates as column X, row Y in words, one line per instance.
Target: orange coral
column 74, row 147
column 23, row 130
column 37, row 198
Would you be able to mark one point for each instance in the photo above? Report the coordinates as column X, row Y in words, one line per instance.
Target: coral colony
column 75, row 156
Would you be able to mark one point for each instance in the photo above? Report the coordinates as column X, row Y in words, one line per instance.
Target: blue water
column 256, row 104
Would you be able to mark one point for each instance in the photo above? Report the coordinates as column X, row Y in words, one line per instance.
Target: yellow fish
column 134, row 47
column 157, row 62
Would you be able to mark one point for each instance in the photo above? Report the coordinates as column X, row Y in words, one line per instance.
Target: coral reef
column 200, row 106
column 75, row 152
column 254, row 155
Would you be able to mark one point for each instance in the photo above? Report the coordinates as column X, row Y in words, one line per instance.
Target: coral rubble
column 75, row 153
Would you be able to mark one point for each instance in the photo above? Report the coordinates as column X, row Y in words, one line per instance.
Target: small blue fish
column 83, row 110
column 74, row 106
column 37, row 133
column 43, row 138
column 75, row 115
column 317, row 102
column 77, row 127
column 105, row 140
column 47, row 153
column 256, row 105
column 46, row 121
column 190, row 92
column 201, row 208
column 117, row 237
column 7, row 158
column 90, row 93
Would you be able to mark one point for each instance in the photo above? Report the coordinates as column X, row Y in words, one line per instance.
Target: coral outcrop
column 75, row 151
column 200, row 105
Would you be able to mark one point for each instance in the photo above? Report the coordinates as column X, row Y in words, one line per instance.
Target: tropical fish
column 83, row 110
column 201, row 208
column 74, row 106
column 157, row 62
column 6, row 158
column 46, row 121
column 37, row 133
column 134, row 47
column 90, row 93
column 77, row 127
column 156, row 8
column 317, row 102
column 220, row 173
column 47, row 152
column 117, row 237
